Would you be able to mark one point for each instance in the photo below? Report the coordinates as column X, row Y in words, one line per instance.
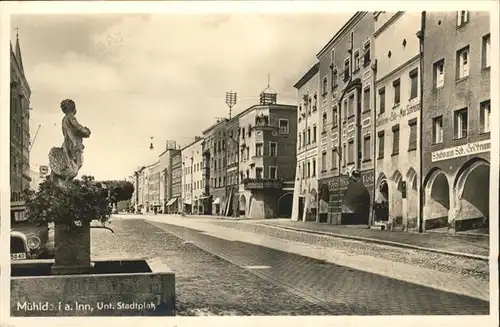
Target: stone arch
column 381, row 199
column 436, row 199
column 242, row 205
column 285, row 203
column 412, row 198
column 470, row 203
column 396, row 202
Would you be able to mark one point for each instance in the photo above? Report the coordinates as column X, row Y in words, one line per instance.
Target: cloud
column 163, row 76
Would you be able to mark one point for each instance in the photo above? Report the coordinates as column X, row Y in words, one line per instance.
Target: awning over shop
column 171, row 201
column 187, row 201
column 216, row 201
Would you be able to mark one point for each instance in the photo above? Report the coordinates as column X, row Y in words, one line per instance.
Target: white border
column 202, row 7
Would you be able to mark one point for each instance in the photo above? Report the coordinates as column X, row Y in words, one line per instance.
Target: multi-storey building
column 20, row 94
column 346, row 177
column 192, row 177
column 232, row 172
column 267, row 140
column 174, row 205
column 306, row 182
column 139, row 190
column 214, row 152
column 165, row 167
column 397, row 54
column 456, row 120
column 153, row 187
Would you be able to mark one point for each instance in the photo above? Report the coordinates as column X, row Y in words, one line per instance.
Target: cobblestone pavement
column 205, row 284
column 331, row 285
column 469, row 244
column 465, row 267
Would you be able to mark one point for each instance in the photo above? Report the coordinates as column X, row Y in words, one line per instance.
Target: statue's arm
column 82, row 130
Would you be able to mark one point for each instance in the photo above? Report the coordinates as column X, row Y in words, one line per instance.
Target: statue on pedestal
column 66, row 161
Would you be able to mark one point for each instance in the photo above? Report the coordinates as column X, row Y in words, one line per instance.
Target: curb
column 383, row 242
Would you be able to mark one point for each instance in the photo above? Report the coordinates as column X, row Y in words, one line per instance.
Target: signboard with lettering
column 462, row 150
column 398, row 114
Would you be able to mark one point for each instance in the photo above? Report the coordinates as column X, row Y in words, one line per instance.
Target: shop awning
column 187, row 201
column 216, row 201
column 171, row 201
column 356, row 198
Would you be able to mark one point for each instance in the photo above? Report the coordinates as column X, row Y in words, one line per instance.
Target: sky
column 164, row 76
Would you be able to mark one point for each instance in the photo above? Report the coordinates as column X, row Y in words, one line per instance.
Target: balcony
column 262, row 183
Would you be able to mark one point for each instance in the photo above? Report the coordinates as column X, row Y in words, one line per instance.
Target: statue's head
column 68, row 106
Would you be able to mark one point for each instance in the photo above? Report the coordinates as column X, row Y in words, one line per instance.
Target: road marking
column 257, row 267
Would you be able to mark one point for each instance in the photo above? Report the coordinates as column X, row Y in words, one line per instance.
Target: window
column 258, row 150
column 243, row 133
column 325, row 122
column 309, row 135
column 335, row 116
column 351, row 156
column 463, row 63
column 486, row 51
column 314, row 168
column 485, row 115
column 344, row 155
column 366, row 53
column 356, row 61
column 323, row 161
column 300, row 140
column 283, row 125
column 460, row 123
column 314, row 134
column 397, row 91
column 395, row 140
column 324, row 91
column 366, row 99
column 350, row 107
column 273, row 172
column 304, row 170
column 308, row 169
column 258, row 173
column 381, row 100
column 381, row 144
column 273, row 149
column 439, row 73
column 304, row 137
column 332, row 57
column 367, row 154
column 412, row 145
column 462, row 17
column 334, row 159
column 334, row 78
column 344, row 111
column 299, row 171
column 346, row 69
column 414, row 83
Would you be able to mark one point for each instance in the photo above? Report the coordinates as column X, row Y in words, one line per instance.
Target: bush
column 82, row 200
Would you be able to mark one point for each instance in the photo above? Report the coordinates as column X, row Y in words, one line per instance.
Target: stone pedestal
column 72, row 250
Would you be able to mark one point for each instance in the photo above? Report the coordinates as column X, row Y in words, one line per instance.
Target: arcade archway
column 397, row 199
column 437, row 199
column 356, row 204
column 412, row 197
column 285, row 203
column 381, row 200
column 471, row 189
column 242, row 205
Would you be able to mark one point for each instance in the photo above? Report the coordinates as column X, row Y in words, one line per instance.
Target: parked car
column 30, row 241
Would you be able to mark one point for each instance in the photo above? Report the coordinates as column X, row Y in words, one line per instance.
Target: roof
column 224, row 120
column 193, row 142
column 259, row 106
column 358, row 15
column 307, row 76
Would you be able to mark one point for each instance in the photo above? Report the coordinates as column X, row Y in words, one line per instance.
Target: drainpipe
column 421, row 37
column 375, row 138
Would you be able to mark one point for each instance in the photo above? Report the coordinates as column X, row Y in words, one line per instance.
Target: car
column 31, row 241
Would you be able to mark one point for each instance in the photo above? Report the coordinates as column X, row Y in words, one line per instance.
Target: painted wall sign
column 460, row 151
column 398, row 114
column 368, row 177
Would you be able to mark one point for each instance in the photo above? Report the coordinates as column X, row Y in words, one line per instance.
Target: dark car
column 30, row 241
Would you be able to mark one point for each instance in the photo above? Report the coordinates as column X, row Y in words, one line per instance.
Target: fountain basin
column 110, row 288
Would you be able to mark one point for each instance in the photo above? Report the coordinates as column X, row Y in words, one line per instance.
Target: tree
column 80, row 200
column 119, row 191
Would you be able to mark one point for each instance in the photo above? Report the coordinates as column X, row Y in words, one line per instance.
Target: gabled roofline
column 307, row 76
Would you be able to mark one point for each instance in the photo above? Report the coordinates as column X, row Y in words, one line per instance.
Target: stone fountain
column 74, row 285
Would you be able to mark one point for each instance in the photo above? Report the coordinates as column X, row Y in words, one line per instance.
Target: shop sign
column 462, row 150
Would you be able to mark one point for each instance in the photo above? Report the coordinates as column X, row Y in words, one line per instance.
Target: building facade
column 20, row 94
column 232, row 169
column 306, row 181
column 153, row 187
column 174, row 205
column 214, row 154
column 397, row 89
column 456, row 120
column 267, row 141
column 192, row 177
column 165, row 167
column 345, row 163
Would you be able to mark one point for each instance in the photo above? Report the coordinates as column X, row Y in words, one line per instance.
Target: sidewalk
column 462, row 245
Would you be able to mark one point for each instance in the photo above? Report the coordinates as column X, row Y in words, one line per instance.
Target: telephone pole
column 231, row 98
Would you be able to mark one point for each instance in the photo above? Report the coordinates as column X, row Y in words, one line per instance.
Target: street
column 244, row 278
